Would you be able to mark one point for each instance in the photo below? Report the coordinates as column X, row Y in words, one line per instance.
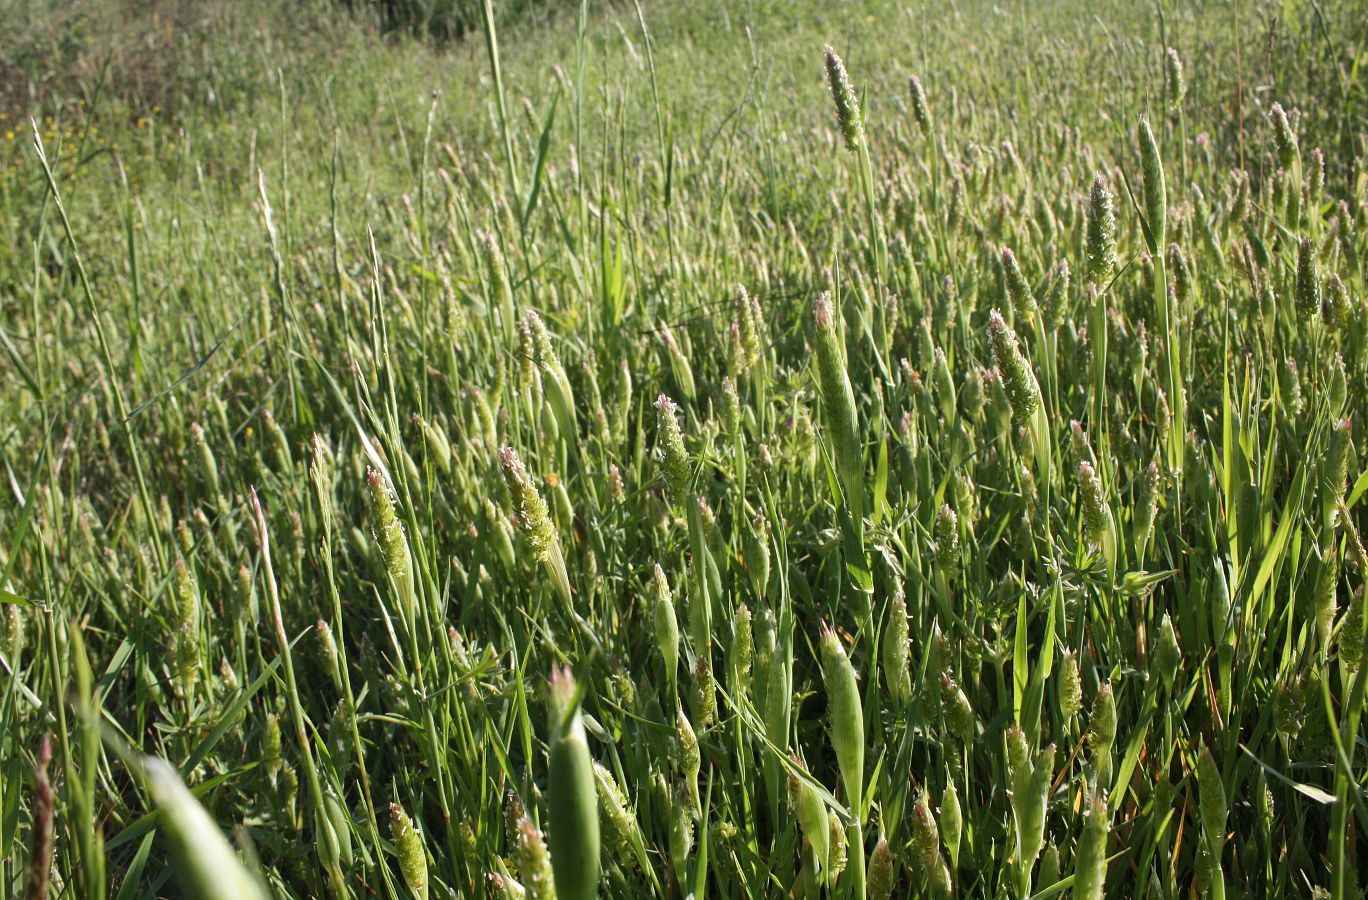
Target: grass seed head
column 1284, row 138
column 1018, row 288
column 412, row 856
column 1102, row 725
column 1069, row 686
column 959, row 715
column 1307, row 288
column 534, row 516
column 1094, row 503
column 674, row 458
column 1175, row 85
column 883, row 871
column 896, row 666
column 1019, row 382
column 534, row 861
column 848, row 118
column 946, row 532
column 921, row 111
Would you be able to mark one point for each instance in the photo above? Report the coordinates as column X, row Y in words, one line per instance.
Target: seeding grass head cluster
column 762, row 449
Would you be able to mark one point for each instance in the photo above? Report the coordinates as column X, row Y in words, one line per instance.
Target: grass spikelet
column 921, row 110
column 1175, row 85
column 674, row 458
column 1100, row 242
column 848, row 118
column 1019, row 382
column 1018, row 289
column 409, row 845
column 534, row 861
column 883, row 871
column 896, row 669
column 534, row 519
column 926, row 850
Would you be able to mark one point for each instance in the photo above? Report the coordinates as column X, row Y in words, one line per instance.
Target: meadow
column 739, row 448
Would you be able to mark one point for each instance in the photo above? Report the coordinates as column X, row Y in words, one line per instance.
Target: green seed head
column 743, row 648
column 848, row 118
column 747, row 327
column 812, row 816
column 1018, row 757
column 1018, row 381
column 838, row 403
column 1289, row 703
column 1307, row 289
column 1289, row 386
column 1350, row 637
column 921, row 111
column 1094, row 504
column 959, row 715
column 1315, row 179
column 1180, row 273
column 1339, row 306
column 925, row 834
column 883, row 871
column 681, row 829
column 534, row 861
column 758, row 555
column 389, row 532
column 534, row 517
column 1069, row 686
column 1175, row 86
column 946, row 531
column 705, row 691
column 15, row 635
column 836, row 846
column 1018, row 288
column 1284, row 139
column 690, row 759
column 616, row 816
column 897, row 671
column 674, row 458
column 208, row 465
column 186, row 635
column 412, row 856
column 926, row 849
column 1100, row 242
column 1102, row 726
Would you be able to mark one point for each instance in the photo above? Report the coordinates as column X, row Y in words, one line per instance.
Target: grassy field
column 639, row 450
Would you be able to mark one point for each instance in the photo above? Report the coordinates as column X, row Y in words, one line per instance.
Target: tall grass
column 766, row 450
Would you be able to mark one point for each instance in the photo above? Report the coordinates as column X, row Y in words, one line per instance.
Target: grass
column 634, row 451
